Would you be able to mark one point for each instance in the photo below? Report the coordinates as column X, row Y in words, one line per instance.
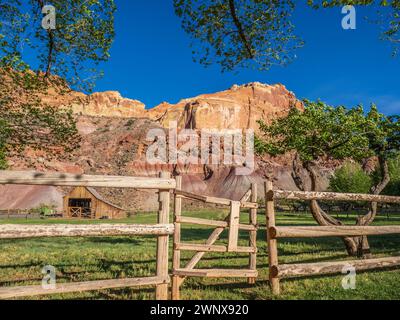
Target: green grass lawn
column 82, row 259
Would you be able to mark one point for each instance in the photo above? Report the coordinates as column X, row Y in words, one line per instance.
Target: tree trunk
column 355, row 246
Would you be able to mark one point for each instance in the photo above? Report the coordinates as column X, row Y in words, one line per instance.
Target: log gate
column 231, row 222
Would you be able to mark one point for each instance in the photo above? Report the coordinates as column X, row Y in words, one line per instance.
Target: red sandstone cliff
column 114, row 130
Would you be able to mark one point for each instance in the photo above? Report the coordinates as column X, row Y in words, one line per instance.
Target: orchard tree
column 325, row 132
column 260, row 33
column 383, row 135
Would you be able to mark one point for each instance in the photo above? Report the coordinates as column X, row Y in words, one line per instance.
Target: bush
column 393, row 188
column 350, row 178
column 45, row 209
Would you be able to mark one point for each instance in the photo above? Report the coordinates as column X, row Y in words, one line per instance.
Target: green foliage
column 40, row 127
column 240, row 33
column 45, row 209
column 243, row 33
column 25, row 121
column 83, row 37
column 393, row 188
column 3, row 160
column 383, row 133
column 350, row 178
column 321, row 131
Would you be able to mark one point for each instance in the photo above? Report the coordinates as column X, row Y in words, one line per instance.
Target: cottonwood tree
column 61, row 58
column 324, row 132
column 260, row 33
column 241, row 33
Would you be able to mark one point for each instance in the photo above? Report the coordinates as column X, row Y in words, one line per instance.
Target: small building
column 86, row 202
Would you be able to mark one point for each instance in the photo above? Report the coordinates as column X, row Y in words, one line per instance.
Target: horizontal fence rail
column 308, row 269
column 331, row 231
column 15, row 231
column 329, row 196
column 76, row 180
column 213, row 223
column 24, row 291
column 214, row 200
column 216, row 273
column 211, row 248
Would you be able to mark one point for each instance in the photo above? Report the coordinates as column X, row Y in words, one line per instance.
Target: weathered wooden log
column 253, row 234
column 308, row 269
column 246, row 197
column 216, row 273
column 36, row 290
column 213, row 223
column 211, row 248
column 329, row 196
column 162, row 241
column 233, row 236
column 176, row 260
column 72, row 180
column 17, row 231
column 272, row 243
column 205, row 199
column 331, row 231
column 213, row 200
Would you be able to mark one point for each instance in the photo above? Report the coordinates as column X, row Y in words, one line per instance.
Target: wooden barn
column 85, row 202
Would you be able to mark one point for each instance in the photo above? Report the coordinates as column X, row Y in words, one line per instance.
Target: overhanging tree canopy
column 260, row 33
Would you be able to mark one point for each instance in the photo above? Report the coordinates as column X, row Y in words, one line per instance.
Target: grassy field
column 82, row 259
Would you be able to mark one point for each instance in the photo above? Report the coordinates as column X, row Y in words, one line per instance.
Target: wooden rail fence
column 277, row 271
column 162, row 230
column 249, row 201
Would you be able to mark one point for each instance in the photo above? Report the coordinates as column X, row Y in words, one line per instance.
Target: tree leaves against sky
column 260, row 33
column 73, row 50
column 234, row 33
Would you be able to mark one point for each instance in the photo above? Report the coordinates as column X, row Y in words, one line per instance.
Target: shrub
column 350, row 178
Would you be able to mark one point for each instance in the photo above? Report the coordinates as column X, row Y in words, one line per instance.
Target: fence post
column 272, row 243
column 176, row 263
column 253, row 234
column 162, row 241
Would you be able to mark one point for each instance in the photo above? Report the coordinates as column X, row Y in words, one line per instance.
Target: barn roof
column 98, row 196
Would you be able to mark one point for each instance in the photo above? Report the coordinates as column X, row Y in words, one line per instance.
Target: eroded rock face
column 237, row 108
column 114, row 130
column 109, row 104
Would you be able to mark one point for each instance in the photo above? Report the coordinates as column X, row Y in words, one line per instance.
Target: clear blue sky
column 151, row 60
